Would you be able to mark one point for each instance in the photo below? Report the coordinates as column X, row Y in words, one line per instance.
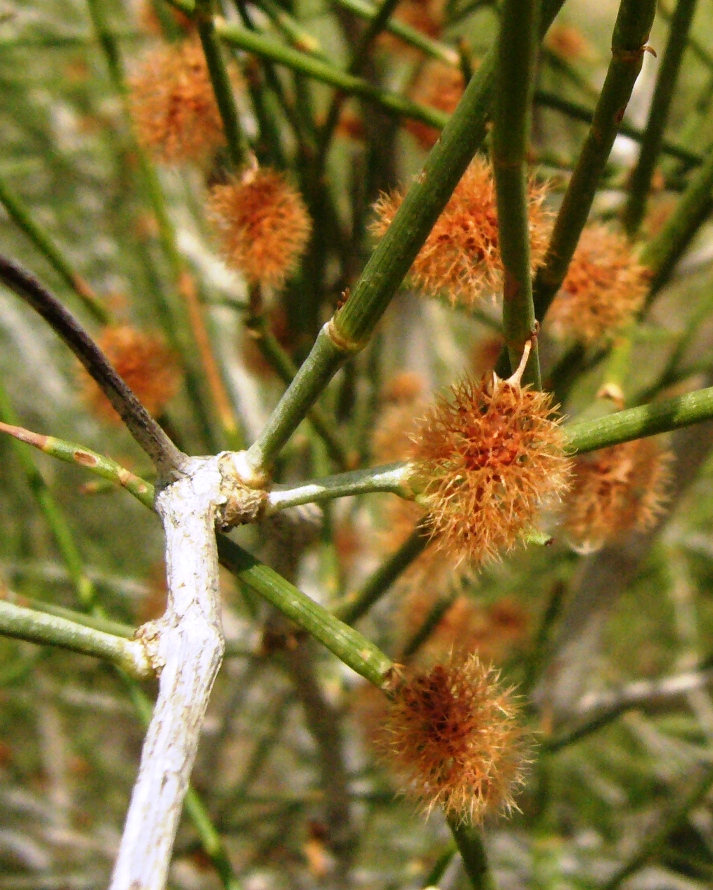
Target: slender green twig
column 220, row 79
column 581, row 436
column 54, row 517
column 22, row 217
column 584, row 729
column 640, row 182
column 673, row 370
column 581, row 113
column 319, row 69
column 697, row 48
column 147, row 433
column 353, row 324
column 325, row 72
column 564, row 69
column 412, row 36
column 186, row 328
column 299, row 37
column 663, row 252
column 428, row 627
column 645, row 420
column 359, row 56
column 537, row 657
column 469, row 840
column 347, row 644
column 357, row 604
column 281, row 362
column 440, row 866
column 99, row 464
column 514, row 84
column 96, row 621
column 654, row 839
column 39, row 627
column 631, row 32
column 388, row 478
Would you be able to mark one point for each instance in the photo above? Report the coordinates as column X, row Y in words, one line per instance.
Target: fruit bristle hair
column 460, row 259
column 145, row 363
column 616, row 491
column 173, row 104
column 487, row 458
column 604, row 288
column 451, row 738
column 262, row 225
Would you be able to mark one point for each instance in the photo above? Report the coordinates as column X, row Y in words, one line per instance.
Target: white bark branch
column 186, row 645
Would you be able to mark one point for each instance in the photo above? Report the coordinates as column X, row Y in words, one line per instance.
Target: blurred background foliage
column 285, row 769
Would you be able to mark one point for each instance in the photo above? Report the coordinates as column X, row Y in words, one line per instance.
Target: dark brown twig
column 148, row 434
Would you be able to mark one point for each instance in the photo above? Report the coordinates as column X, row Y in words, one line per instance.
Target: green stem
column 571, row 736
column 536, row 659
column 359, row 56
column 645, row 420
column 360, row 654
column 389, row 478
column 22, row 217
column 300, row 38
column 564, row 69
column 353, row 324
column 98, row 464
column 39, row 627
column 514, row 87
column 427, row 628
column 640, row 183
column 663, row 252
column 325, row 72
column 440, row 866
column 309, row 382
column 631, row 32
column 356, row 605
column 581, row 113
column 697, row 48
column 281, row 362
column 53, row 515
column 210, row 839
column 655, row 839
column 98, row 622
column 417, row 39
column 221, row 82
column 182, row 324
column 672, row 371
column 469, row 840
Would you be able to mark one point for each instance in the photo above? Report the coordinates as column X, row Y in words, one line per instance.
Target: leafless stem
column 187, row 646
column 149, row 435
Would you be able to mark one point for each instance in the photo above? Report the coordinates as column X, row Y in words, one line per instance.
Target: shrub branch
column 147, row 433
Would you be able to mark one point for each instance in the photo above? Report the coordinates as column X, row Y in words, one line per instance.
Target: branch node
column 242, row 501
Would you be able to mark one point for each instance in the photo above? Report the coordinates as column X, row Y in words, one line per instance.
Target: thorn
column 514, row 379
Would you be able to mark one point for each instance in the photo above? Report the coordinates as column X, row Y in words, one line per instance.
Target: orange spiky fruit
column 605, row 286
column 144, row 361
column 452, row 739
column 460, row 259
column 616, row 491
column 486, row 460
column 173, row 104
column 262, row 224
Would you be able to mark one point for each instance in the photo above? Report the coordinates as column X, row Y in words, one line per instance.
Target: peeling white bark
column 186, row 646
